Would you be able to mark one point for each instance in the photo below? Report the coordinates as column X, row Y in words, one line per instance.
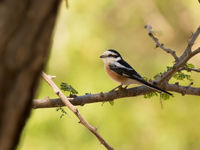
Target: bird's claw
column 119, row 88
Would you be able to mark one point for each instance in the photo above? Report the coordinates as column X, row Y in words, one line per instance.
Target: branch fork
column 67, row 103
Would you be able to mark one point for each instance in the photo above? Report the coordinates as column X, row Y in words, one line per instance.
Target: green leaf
column 145, row 78
column 169, row 67
column 164, row 96
column 111, row 103
column 150, row 95
column 63, row 112
column 182, row 76
column 157, row 75
column 66, row 87
column 190, row 66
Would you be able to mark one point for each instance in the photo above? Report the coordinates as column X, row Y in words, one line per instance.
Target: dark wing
column 123, row 68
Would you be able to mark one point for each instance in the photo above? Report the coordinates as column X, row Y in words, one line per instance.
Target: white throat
column 110, row 59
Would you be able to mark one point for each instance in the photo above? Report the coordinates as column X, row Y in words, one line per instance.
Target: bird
column 120, row 71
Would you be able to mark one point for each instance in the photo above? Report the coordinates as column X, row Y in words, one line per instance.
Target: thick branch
column 110, row 96
column 93, row 98
column 66, row 102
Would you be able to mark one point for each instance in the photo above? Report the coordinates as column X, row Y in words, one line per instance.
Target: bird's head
column 110, row 55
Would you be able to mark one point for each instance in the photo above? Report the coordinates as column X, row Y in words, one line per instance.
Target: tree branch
column 166, row 76
column 158, row 44
column 66, row 102
column 190, row 69
column 110, row 96
column 184, row 89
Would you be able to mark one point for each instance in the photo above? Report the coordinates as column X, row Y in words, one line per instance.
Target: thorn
column 183, row 93
column 150, row 34
column 82, row 104
column 52, row 77
column 154, row 83
column 87, row 93
column 177, row 83
column 72, row 95
column 157, row 45
column 191, row 35
column 76, row 110
column 46, row 98
column 148, row 27
column 190, row 84
column 101, row 94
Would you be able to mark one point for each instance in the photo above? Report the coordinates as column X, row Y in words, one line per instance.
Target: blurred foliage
column 62, row 110
column 83, row 32
column 66, row 87
column 163, row 96
column 182, row 76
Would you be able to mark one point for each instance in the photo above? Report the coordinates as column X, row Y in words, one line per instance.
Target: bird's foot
column 120, row 87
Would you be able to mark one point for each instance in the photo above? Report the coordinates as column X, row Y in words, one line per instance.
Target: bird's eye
column 111, row 55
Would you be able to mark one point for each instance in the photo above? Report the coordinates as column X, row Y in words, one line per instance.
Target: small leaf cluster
column 182, row 76
column 191, row 66
column 111, row 103
column 178, row 76
column 150, row 95
column 66, row 87
column 163, row 96
column 63, row 112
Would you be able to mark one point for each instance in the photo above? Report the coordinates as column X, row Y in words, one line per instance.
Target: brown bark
column 25, row 32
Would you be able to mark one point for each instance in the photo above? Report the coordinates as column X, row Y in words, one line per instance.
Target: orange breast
column 115, row 76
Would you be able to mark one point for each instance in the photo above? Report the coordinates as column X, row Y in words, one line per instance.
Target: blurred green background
column 83, row 32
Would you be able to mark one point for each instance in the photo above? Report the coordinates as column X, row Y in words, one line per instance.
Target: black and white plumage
column 120, row 71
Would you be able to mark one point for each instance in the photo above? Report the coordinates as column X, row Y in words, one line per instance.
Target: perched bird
column 120, row 71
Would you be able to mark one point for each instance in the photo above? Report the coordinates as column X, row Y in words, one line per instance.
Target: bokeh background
column 83, row 32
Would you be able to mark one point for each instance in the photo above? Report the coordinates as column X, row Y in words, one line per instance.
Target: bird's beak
column 101, row 56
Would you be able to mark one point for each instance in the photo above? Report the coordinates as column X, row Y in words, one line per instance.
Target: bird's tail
column 154, row 87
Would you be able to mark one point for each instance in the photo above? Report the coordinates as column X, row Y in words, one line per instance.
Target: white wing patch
column 125, row 75
column 121, row 66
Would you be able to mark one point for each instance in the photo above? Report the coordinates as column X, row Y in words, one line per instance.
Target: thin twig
column 65, row 100
column 196, row 51
column 158, row 44
column 190, row 69
column 185, row 57
column 193, row 39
